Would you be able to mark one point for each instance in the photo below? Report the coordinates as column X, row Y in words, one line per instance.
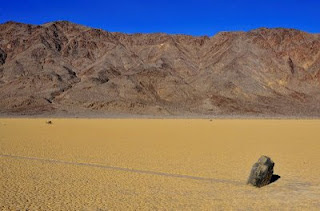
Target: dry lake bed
column 148, row 164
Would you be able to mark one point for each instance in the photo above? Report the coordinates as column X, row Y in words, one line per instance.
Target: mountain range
column 62, row 68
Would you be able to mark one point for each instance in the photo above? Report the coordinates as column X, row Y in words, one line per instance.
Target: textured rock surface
column 61, row 67
column 261, row 172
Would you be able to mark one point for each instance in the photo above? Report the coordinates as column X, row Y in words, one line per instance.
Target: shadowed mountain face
column 61, row 67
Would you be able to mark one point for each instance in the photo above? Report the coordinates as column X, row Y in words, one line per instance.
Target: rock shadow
column 274, row 178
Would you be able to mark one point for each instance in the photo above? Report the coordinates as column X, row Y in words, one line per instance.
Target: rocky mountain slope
column 65, row 68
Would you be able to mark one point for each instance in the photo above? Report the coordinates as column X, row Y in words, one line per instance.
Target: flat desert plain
column 148, row 164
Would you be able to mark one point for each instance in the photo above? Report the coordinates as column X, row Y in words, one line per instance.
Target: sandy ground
column 105, row 164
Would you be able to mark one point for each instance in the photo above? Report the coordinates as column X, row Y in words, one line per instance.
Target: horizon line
column 159, row 32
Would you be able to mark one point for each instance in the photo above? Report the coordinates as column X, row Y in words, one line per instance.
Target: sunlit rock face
column 261, row 172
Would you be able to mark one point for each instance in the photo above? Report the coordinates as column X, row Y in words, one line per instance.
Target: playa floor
column 148, row 164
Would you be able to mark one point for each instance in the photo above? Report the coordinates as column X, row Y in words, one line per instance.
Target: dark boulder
column 261, row 172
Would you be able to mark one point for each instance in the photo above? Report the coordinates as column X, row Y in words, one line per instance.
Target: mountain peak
column 63, row 67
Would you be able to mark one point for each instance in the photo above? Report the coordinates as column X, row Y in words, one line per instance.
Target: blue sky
column 198, row 17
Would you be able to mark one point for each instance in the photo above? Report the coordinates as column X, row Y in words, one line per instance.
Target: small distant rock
column 261, row 172
column 49, row 122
